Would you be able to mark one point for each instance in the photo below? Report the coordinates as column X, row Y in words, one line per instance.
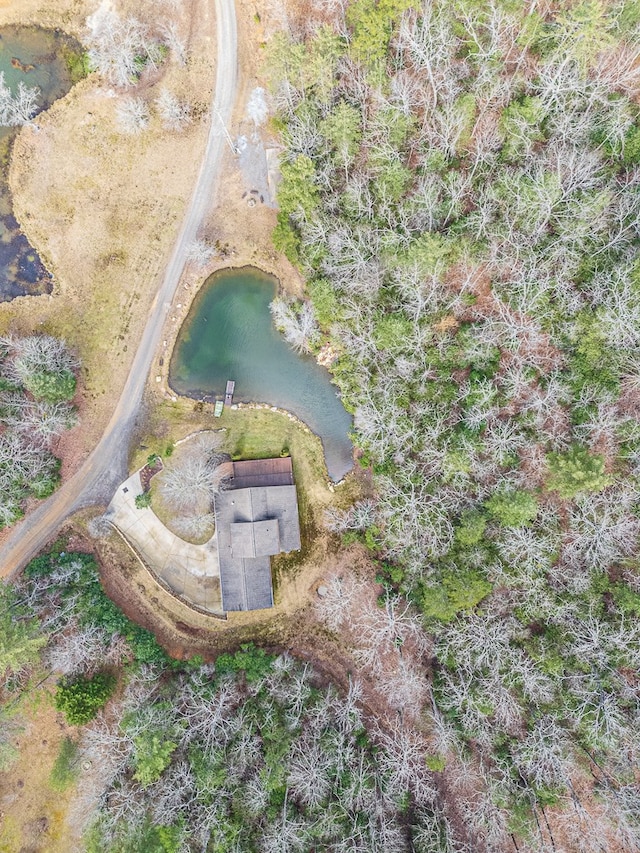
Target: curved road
column 106, row 466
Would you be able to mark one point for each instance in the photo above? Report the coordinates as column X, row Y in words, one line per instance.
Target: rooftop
column 262, row 472
column 256, row 517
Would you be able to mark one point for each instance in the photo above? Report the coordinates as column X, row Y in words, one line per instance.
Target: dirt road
column 106, row 466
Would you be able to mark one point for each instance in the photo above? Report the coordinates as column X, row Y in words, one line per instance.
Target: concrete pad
column 191, row 571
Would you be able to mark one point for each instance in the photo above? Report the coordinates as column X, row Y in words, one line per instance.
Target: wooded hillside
column 460, row 189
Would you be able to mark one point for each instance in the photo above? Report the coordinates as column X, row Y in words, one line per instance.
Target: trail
column 106, row 466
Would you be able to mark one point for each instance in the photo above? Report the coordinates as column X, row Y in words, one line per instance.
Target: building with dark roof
column 256, row 517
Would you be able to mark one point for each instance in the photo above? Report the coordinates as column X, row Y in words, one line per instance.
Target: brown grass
column 33, row 816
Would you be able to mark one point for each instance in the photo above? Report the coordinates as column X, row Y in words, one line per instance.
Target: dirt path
column 106, row 467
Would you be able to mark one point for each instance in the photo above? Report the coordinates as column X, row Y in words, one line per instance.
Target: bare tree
column 175, row 114
column 405, row 688
column 297, row 322
column 337, row 604
column 43, row 421
column 19, row 108
column 133, row 115
column 603, row 529
column 36, row 353
column 309, row 772
column 120, row 48
column 77, row 650
column 360, row 516
column 403, row 761
column 191, row 483
column 543, row 756
column 174, row 41
column 199, row 252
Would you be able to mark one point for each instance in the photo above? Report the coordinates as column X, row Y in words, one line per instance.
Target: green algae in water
column 37, row 58
column 229, row 334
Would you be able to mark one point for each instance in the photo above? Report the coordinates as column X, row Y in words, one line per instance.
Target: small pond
column 229, row 334
column 38, row 58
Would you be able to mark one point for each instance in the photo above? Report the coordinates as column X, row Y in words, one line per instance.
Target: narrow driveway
column 106, row 466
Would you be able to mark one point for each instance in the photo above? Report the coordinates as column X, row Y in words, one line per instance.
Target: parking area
column 190, row 571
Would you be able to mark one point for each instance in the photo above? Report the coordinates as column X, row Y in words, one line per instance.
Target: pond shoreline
column 37, row 57
column 265, row 407
column 241, row 340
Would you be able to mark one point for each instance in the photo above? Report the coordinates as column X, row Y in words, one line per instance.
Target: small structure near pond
column 228, row 398
column 256, row 517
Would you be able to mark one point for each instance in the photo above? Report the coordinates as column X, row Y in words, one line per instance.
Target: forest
column 37, row 383
column 460, row 191
column 252, row 753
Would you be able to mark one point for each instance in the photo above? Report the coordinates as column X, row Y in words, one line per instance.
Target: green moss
column 66, row 767
column 77, row 62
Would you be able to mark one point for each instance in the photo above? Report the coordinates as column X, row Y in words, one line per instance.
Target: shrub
column 152, row 756
column 143, row 500
column 324, row 301
column 437, row 763
column 631, row 156
column 51, row 386
column 142, row 838
column 459, row 589
column 94, row 607
column 77, row 62
column 80, row 698
column 44, row 485
column 251, row 660
column 471, row 528
column 626, row 599
column 20, row 637
column 593, row 361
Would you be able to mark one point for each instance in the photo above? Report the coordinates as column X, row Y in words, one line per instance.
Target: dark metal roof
column 262, row 472
column 253, row 522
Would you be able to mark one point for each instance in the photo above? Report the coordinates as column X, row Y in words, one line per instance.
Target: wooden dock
column 228, row 394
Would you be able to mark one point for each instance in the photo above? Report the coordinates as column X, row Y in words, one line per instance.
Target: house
column 256, row 517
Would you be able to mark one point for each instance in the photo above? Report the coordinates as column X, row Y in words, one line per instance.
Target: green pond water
column 35, row 57
column 229, row 334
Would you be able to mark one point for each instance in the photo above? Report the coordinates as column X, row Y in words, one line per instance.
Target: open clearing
column 32, row 814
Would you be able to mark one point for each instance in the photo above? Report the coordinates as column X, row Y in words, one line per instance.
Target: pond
column 38, row 58
column 229, row 334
